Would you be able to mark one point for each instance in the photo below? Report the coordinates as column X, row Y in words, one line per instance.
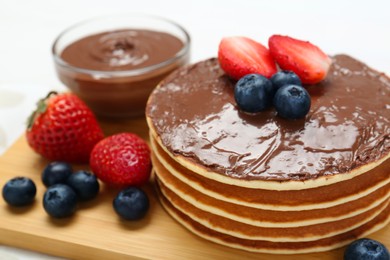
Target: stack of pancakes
column 266, row 184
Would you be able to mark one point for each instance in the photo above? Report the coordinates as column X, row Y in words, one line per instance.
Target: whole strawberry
column 121, row 160
column 63, row 128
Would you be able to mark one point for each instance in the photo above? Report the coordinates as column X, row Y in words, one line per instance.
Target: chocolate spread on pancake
column 195, row 115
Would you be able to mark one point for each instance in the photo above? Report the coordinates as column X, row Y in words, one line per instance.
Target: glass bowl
column 115, row 73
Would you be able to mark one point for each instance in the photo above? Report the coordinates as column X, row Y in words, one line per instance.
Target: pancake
column 266, row 184
column 290, row 234
column 263, row 217
column 262, row 246
column 312, row 198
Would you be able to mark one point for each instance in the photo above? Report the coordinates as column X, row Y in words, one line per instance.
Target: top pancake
column 194, row 116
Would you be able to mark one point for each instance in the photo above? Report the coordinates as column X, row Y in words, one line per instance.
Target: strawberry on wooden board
column 308, row 61
column 239, row 56
column 121, row 160
column 63, row 128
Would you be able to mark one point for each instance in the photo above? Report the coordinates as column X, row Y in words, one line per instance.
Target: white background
column 28, row 28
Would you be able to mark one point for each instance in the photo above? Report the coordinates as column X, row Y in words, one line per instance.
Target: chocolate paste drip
column 195, row 115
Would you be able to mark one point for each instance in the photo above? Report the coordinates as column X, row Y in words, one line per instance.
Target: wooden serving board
column 96, row 232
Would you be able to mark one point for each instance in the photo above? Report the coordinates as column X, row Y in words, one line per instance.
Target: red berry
column 63, row 128
column 121, row 160
column 240, row 56
column 308, row 61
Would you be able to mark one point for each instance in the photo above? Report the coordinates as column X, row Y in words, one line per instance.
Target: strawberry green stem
column 40, row 109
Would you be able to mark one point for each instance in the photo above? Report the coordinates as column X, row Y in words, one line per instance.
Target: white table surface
column 27, row 29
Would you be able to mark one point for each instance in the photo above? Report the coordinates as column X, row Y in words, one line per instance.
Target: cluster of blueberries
column 255, row 93
column 66, row 188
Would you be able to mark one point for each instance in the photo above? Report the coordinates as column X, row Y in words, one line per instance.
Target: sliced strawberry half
column 239, row 56
column 308, row 61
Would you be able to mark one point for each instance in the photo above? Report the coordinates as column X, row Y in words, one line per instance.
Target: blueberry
column 131, row 203
column 292, row 102
column 56, row 172
column 19, row 191
column 60, row 201
column 285, row 77
column 253, row 93
column 85, row 184
column 366, row 249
